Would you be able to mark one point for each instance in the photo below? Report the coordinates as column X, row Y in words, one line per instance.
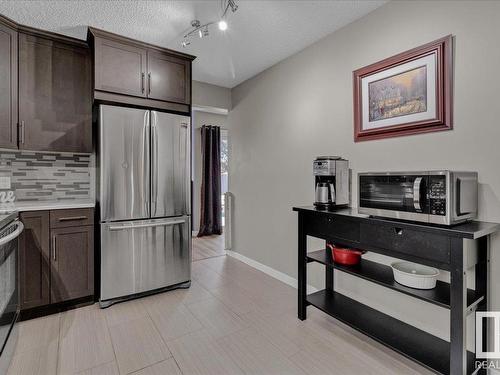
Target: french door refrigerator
column 144, row 199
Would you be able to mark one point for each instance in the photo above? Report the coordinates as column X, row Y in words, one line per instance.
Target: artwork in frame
column 408, row 93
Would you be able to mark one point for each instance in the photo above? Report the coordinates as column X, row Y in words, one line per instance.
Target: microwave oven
column 438, row 197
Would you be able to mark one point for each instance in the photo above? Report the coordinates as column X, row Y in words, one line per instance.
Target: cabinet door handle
column 142, row 82
column 73, row 218
column 54, row 248
column 398, row 231
column 21, row 132
column 149, row 83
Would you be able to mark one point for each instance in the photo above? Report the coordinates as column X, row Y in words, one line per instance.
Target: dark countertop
column 471, row 229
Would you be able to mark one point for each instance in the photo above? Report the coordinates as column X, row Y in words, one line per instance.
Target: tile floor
column 208, row 247
column 233, row 320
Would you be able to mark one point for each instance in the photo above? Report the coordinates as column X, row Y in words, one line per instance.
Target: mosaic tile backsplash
column 40, row 176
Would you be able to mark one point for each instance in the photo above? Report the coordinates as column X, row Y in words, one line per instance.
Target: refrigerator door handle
column 187, row 180
column 150, row 225
column 154, row 163
column 145, row 148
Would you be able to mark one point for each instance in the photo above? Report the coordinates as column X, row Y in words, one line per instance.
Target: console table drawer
column 416, row 243
column 326, row 226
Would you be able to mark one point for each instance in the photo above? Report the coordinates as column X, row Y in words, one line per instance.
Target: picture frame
column 409, row 93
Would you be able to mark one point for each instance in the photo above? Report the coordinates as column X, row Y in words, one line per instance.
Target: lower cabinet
column 34, row 261
column 56, row 263
column 72, row 261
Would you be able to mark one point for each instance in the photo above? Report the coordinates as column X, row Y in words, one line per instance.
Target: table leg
column 458, row 309
column 302, row 271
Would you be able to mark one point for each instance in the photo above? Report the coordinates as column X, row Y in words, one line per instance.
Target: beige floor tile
column 198, row 354
column 193, row 294
column 107, row 369
column 84, row 340
column 38, row 332
column 369, row 353
column 286, row 332
column 217, row 318
column 137, row 344
column 207, row 277
column 124, row 311
column 41, row 360
column 254, row 354
column 171, row 319
column 168, row 367
column 238, row 300
column 233, row 320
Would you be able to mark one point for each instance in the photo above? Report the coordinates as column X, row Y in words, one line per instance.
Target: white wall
column 211, row 96
column 302, row 107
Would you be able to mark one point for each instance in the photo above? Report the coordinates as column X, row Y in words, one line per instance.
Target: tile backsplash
column 44, row 176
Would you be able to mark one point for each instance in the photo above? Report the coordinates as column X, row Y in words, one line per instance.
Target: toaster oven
column 438, row 197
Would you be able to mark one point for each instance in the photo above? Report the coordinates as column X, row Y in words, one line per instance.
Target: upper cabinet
column 134, row 69
column 119, row 68
column 55, row 95
column 8, row 84
column 169, row 78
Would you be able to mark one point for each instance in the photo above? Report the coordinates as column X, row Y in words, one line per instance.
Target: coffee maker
column 331, row 182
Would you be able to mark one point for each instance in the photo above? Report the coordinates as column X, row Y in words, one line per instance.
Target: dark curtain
column 211, row 215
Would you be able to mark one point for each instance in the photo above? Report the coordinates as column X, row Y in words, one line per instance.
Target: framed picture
column 409, row 93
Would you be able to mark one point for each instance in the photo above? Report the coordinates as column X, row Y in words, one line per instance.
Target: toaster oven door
column 401, row 196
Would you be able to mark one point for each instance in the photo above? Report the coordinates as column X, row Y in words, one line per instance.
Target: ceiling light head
column 185, row 43
column 233, row 5
column 222, row 25
column 195, row 23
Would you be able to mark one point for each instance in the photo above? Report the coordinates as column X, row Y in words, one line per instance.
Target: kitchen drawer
column 329, row 226
column 406, row 241
column 71, row 218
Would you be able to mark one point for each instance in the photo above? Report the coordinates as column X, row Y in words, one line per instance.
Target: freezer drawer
column 143, row 255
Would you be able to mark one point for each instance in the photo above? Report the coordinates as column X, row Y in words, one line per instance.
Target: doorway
column 208, row 246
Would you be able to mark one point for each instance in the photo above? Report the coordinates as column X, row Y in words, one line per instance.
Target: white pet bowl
column 415, row 275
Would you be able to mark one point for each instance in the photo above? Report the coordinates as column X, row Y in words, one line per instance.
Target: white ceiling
column 260, row 33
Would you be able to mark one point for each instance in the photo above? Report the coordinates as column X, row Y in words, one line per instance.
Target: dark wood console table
column 445, row 248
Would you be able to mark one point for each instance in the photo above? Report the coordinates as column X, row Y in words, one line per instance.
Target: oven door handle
column 416, row 193
column 14, row 234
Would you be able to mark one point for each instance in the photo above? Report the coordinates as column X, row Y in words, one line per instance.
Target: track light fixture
column 203, row 30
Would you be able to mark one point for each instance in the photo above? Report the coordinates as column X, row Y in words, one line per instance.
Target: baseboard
column 283, row 277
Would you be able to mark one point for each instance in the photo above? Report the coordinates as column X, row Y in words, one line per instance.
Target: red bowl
column 348, row 257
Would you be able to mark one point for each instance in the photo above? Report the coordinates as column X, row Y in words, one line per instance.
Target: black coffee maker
column 331, row 182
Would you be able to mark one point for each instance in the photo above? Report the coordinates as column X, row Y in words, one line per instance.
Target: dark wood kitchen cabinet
column 72, row 261
column 120, row 68
column 34, row 261
column 8, row 84
column 56, row 260
column 129, row 68
column 169, row 78
column 55, row 95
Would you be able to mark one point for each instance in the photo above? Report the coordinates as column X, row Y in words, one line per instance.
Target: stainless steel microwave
column 438, row 197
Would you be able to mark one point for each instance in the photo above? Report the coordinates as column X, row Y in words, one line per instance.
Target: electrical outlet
column 4, row 182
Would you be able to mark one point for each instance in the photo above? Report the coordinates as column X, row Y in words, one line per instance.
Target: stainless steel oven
column 9, row 290
column 439, row 197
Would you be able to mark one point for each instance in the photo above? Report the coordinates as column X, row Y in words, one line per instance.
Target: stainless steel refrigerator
column 144, row 199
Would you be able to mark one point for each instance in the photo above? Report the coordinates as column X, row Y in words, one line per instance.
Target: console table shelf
column 436, row 246
column 426, row 349
column 382, row 275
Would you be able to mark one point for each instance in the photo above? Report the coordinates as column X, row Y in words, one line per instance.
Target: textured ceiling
column 260, row 33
